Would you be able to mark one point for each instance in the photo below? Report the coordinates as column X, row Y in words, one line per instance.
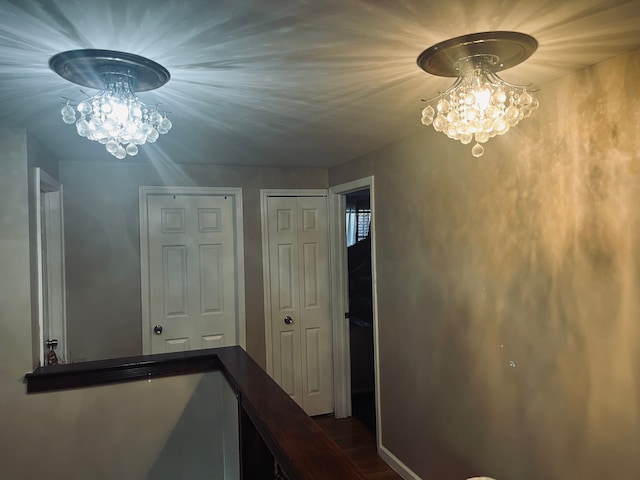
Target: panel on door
column 316, row 346
column 283, row 259
column 299, row 292
column 192, row 277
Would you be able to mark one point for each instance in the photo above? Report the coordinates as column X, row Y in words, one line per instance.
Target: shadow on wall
column 204, row 442
column 517, row 280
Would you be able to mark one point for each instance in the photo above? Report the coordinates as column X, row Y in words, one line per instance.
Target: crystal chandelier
column 115, row 116
column 479, row 105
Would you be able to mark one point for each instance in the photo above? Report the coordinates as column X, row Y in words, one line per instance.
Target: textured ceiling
column 282, row 83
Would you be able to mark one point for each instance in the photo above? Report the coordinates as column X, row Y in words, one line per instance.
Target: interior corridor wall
column 103, row 247
column 133, row 430
column 508, row 289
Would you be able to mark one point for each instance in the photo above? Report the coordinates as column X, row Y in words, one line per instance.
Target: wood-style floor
column 359, row 444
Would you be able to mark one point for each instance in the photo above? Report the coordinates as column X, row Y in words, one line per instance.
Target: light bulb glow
column 117, row 118
column 119, row 110
column 479, row 105
column 482, row 98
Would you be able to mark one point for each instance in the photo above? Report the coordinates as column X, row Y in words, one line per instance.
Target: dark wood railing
column 275, row 433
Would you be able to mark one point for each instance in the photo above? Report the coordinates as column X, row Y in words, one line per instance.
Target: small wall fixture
column 114, row 116
column 479, row 105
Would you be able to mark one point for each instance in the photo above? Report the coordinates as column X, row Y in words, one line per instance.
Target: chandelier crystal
column 480, row 104
column 115, row 116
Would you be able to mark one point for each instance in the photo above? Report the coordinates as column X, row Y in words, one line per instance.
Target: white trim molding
column 49, row 223
column 395, row 463
column 339, row 295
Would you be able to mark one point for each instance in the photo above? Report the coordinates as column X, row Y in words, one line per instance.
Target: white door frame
column 339, row 296
column 236, row 194
column 49, row 191
column 265, row 193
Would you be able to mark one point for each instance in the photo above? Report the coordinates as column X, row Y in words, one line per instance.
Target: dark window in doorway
column 361, row 307
column 358, row 218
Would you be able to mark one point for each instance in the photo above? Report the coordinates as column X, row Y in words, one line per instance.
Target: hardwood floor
column 359, row 444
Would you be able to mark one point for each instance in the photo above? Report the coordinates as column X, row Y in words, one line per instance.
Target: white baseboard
column 393, row 461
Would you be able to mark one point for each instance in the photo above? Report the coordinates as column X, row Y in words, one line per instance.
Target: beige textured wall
column 529, row 254
column 103, row 249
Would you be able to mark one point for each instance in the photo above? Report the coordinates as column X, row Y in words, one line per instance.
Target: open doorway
column 364, row 321
column 50, row 296
column 360, row 302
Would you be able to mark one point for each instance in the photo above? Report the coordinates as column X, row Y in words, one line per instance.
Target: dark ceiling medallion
column 508, row 48
column 88, row 68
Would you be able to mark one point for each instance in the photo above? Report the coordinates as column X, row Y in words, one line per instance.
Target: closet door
column 299, row 294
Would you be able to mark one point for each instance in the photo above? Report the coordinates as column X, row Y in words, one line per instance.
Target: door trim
column 265, row 193
column 339, row 296
column 236, row 193
column 47, row 187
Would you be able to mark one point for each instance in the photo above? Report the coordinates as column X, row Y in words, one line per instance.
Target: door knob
column 288, row 320
column 157, row 329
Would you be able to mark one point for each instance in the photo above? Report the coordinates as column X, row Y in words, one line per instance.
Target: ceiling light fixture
column 480, row 104
column 114, row 116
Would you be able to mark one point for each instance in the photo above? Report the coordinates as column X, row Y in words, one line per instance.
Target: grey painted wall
column 532, row 254
column 15, row 300
column 103, row 249
column 135, row 430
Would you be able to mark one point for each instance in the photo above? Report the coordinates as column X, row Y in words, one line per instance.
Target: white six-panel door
column 192, row 278
column 299, row 297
